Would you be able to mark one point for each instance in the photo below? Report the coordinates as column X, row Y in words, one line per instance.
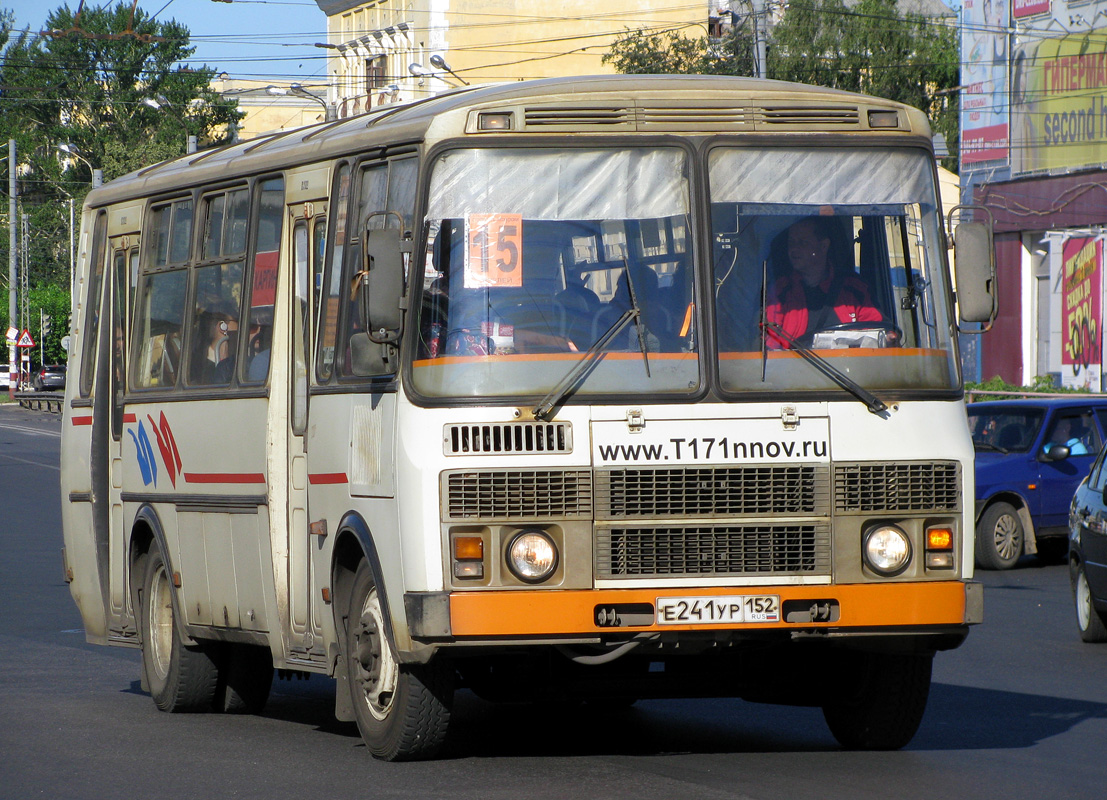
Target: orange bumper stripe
column 551, row 613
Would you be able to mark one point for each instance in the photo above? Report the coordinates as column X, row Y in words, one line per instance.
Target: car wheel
column 1088, row 619
column 181, row 678
column 402, row 710
column 999, row 537
column 880, row 700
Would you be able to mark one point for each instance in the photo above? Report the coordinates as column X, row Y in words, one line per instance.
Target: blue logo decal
column 146, row 462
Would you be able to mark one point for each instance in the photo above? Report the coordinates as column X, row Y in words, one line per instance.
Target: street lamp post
column 158, row 102
column 13, row 262
column 296, row 90
column 72, row 151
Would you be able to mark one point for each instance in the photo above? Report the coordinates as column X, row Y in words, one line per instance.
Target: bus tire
column 402, row 710
column 881, row 702
column 999, row 537
column 245, row 679
column 181, row 678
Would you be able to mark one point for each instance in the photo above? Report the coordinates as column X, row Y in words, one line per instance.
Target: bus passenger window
column 158, row 329
column 215, row 322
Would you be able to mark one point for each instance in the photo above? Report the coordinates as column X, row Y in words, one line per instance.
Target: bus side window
column 215, row 322
column 263, row 281
column 159, row 322
column 331, row 292
column 92, row 304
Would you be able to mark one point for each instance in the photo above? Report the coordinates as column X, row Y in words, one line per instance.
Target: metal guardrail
column 41, row 401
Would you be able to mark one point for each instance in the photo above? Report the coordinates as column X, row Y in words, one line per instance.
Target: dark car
column 1088, row 554
column 50, row 378
column 1030, row 457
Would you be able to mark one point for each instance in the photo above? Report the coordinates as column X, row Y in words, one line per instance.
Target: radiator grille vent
column 713, row 550
column 921, row 486
column 518, row 494
column 795, row 489
column 508, row 437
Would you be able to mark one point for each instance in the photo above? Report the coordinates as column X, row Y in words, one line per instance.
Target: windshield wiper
column 590, row 357
column 871, row 401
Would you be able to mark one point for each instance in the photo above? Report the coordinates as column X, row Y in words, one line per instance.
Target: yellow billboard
column 1058, row 114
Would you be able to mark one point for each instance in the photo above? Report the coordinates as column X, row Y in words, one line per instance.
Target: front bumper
column 862, row 609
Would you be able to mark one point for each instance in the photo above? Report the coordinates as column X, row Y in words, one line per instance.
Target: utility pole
column 13, row 263
column 760, row 23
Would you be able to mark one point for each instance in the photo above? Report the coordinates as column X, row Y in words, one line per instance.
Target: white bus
column 501, row 391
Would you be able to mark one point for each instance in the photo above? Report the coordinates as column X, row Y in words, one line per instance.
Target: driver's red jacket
column 787, row 307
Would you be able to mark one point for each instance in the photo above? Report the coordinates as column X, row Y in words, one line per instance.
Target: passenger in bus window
column 820, row 291
column 213, row 361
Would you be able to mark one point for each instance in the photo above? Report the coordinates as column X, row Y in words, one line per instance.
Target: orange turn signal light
column 939, row 538
column 468, row 548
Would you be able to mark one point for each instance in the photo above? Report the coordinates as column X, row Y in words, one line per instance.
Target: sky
column 248, row 39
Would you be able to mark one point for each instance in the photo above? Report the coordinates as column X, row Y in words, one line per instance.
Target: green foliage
column 86, row 86
column 869, row 47
column 672, row 53
column 51, row 299
column 1040, row 384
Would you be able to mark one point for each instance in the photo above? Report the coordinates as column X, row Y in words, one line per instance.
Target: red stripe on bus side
column 130, row 418
column 328, row 478
column 224, row 477
column 81, row 420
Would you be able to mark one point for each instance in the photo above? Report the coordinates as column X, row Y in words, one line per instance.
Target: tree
column 868, row 47
column 110, row 82
column 871, row 48
column 670, row 52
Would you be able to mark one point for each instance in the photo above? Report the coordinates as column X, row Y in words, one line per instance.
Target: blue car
column 1030, row 457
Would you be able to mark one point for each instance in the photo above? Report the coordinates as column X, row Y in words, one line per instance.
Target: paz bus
column 481, row 393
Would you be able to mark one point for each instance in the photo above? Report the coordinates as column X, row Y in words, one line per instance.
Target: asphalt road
column 1020, row 711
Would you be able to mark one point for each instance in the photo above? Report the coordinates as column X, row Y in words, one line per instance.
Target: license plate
column 718, row 610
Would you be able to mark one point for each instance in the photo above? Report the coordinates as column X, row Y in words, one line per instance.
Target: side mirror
column 382, row 284
column 975, row 272
column 1058, row 452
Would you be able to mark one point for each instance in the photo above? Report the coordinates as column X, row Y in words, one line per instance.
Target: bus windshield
column 534, row 255
column 833, row 250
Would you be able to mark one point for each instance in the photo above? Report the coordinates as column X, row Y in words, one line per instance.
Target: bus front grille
column 517, row 494
column 494, row 438
column 712, row 492
column 713, row 550
column 900, row 486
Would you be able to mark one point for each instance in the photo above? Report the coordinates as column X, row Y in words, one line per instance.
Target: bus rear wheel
column 181, row 678
column 881, row 701
column 402, row 710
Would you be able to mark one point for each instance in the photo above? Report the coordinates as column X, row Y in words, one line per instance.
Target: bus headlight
column 532, row 556
column 887, row 550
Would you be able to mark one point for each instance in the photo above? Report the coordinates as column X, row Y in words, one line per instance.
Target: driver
column 816, row 294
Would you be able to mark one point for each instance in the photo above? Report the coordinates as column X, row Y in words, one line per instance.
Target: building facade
column 374, row 45
column 1034, row 153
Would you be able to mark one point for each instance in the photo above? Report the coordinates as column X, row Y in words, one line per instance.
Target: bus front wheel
column 402, row 710
column 881, row 700
column 181, row 678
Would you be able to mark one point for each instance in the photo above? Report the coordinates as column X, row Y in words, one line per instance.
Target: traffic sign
column 25, row 340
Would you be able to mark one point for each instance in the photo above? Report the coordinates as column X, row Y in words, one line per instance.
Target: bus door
column 124, row 271
column 306, row 557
